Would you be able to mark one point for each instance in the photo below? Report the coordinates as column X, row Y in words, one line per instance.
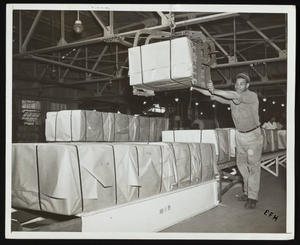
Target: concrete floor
column 230, row 216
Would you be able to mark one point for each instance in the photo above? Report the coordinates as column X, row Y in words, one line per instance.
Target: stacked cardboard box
column 70, row 178
column 94, row 126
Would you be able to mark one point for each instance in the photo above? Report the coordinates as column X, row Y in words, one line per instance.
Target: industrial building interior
column 57, row 68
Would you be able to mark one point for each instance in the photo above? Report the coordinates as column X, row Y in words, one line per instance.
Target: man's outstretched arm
column 212, row 97
column 203, row 91
column 230, row 95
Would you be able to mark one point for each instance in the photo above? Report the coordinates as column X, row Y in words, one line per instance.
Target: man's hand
column 203, row 91
column 211, row 87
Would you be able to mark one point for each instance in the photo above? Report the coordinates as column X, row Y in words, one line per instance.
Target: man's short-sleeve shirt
column 244, row 111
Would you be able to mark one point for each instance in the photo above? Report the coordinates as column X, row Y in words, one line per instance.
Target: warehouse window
column 58, row 107
column 30, row 111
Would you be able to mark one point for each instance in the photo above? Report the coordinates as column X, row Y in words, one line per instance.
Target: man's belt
column 248, row 130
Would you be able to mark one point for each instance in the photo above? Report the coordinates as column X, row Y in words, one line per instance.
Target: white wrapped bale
column 270, row 142
column 150, row 170
column 232, row 141
column 63, row 178
column 121, row 127
column 183, row 164
column 126, row 165
column 71, row 178
column 189, row 136
column 144, row 129
column 153, row 129
column 94, row 125
column 160, row 126
column 169, row 171
column 220, row 138
column 208, row 161
column 25, row 192
column 281, row 134
column 74, row 125
column 168, row 136
column 134, row 128
column 108, row 126
column 167, row 65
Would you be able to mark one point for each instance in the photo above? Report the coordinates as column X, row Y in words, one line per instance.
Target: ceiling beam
column 89, row 81
column 271, row 82
column 265, row 37
column 160, row 27
column 68, row 66
column 31, row 30
column 252, row 68
column 45, row 81
column 62, row 40
column 164, row 18
column 100, row 22
column 215, row 42
column 74, row 58
column 99, row 58
column 248, row 31
column 244, row 63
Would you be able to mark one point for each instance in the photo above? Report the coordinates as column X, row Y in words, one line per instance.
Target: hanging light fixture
column 109, row 85
column 78, row 27
column 53, row 72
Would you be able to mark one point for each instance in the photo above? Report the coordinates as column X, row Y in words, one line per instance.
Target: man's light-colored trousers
column 248, row 159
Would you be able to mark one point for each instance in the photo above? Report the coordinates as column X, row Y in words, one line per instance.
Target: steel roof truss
column 31, row 30
column 71, row 63
column 280, row 52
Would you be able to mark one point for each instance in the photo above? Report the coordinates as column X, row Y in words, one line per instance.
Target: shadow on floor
column 230, row 216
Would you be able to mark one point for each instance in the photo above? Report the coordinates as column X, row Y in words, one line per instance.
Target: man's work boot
column 242, row 198
column 250, row 204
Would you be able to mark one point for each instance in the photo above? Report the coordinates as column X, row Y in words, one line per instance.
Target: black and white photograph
column 145, row 121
